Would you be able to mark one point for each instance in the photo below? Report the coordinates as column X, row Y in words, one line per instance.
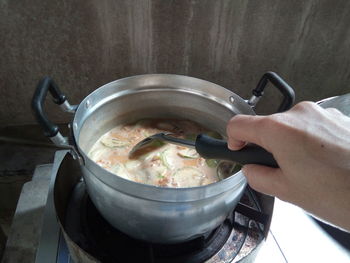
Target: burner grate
column 91, row 232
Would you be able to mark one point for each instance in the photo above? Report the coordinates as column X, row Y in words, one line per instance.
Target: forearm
column 312, row 148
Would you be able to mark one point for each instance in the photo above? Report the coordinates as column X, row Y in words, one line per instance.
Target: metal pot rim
column 133, row 84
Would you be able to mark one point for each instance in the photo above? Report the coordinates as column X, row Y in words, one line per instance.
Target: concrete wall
column 83, row 44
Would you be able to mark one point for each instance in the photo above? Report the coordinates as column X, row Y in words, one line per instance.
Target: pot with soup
column 166, row 193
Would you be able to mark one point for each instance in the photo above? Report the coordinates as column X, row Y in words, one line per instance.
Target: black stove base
column 92, row 233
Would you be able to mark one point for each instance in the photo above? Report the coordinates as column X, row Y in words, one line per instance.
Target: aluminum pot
column 154, row 214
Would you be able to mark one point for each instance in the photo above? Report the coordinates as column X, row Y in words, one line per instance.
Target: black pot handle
column 46, row 84
column 286, row 90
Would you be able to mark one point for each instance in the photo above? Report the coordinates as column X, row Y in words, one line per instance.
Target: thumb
column 264, row 179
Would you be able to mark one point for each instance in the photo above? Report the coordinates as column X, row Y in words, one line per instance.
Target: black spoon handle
column 211, row 148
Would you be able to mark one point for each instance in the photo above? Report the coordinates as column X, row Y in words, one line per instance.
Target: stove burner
column 91, row 232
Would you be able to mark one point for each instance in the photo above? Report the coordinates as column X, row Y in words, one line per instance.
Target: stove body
column 89, row 238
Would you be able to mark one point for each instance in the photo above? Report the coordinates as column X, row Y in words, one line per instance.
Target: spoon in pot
column 210, row 148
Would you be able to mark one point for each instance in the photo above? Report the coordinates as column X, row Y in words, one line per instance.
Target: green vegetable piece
column 191, row 136
column 157, row 143
column 111, row 142
column 188, row 153
column 146, row 134
column 160, row 176
column 212, row 163
column 165, row 157
column 161, row 170
column 214, row 134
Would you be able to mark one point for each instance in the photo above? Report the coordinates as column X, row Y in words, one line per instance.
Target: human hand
column 312, row 147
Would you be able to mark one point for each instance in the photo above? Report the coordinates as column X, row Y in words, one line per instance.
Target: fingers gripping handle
column 46, row 84
column 211, row 148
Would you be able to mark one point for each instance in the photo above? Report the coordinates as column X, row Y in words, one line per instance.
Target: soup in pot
column 160, row 164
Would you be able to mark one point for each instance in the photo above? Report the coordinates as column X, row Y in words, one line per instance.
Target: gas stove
column 234, row 239
column 245, row 236
column 89, row 237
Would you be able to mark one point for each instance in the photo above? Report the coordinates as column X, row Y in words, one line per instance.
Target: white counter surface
column 299, row 238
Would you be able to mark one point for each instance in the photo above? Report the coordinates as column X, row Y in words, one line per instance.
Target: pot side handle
column 286, row 90
column 50, row 129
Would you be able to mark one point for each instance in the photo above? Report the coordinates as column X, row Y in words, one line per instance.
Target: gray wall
column 83, row 44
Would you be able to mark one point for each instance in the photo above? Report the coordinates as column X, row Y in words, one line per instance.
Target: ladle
column 211, row 148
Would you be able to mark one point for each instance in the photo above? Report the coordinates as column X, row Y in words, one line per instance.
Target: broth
column 161, row 164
